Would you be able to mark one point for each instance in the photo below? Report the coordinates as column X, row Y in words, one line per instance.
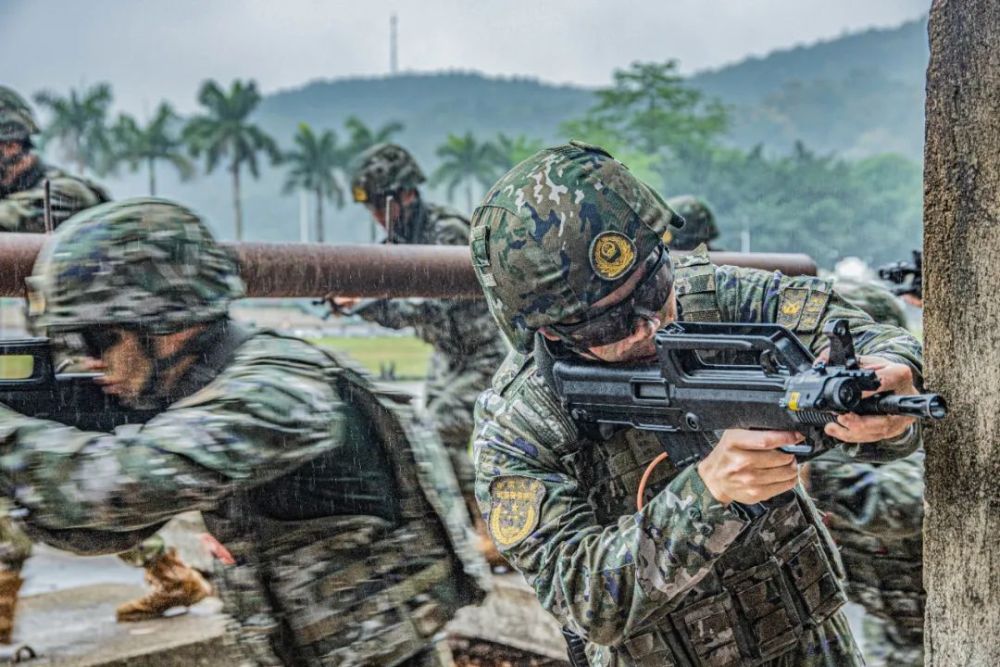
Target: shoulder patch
column 515, row 506
column 790, row 306
column 812, row 311
column 801, row 309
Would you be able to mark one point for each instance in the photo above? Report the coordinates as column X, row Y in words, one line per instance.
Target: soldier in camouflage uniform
column 699, row 224
column 467, row 349
column 875, row 513
column 22, row 209
column 23, row 175
column 567, row 247
column 345, row 530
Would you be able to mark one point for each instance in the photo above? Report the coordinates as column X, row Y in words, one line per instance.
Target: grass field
column 410, row 355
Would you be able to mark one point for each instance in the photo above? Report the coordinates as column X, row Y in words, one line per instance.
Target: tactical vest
column 779, row 579
column 352, row 590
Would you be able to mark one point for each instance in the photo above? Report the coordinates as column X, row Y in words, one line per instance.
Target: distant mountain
column 857, row 95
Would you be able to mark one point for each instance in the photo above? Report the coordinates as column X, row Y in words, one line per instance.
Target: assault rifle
column 711, row 377
column 908, row 277
column 30, row 385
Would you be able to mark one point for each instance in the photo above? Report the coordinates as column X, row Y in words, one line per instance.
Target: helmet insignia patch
column 611, row 255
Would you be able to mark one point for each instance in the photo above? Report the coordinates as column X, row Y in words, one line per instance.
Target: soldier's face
column 641, row 344
column 11, row 154
column 123, row 363
column 389, row 210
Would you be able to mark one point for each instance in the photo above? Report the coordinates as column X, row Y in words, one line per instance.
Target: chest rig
column 779, row 579
column 350, row 589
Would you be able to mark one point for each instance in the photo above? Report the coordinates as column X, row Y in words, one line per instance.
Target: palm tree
column 79, row 124
column 464, row 160
column 225, row 132
column 361, row 137
column 158, row 140
column 511, row 151
column 313, row 166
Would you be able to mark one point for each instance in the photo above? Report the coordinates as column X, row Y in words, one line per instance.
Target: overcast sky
column 153, row 50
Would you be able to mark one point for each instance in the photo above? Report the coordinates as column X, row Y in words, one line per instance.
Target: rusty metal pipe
column 370, row 270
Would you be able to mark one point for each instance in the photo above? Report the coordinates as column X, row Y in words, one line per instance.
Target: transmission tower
column 393, row 47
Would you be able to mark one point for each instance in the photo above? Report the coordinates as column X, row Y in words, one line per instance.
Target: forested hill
column 857, row 95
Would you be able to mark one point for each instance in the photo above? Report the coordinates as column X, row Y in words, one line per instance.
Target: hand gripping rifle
column 712, row 377
column 908, row 277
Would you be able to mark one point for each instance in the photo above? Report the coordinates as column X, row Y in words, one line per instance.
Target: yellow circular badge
column 611, row 255
column 668, row 237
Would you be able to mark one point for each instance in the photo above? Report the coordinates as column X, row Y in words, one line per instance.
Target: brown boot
column 10, row 584
column 173, row 584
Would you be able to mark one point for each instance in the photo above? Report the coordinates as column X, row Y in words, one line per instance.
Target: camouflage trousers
column 889, row 644
column 15, row 548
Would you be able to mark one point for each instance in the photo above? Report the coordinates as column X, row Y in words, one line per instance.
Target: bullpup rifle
column 712, row 377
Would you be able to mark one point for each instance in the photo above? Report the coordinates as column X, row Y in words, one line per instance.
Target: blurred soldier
column 875, row 512
column 699, row 224
column 568, row 249
column 23, row 175
column 22, row 209
column 344, row 532
column 467, row 348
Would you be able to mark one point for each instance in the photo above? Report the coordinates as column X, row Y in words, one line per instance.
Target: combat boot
column 10, row 584
column 173, row 583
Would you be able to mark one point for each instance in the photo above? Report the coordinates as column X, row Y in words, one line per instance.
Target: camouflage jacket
column 279, row 447
column 24, row 211
column 461, row 330
column 686, row 580
column 875, row 514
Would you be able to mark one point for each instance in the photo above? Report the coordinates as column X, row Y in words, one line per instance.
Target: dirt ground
column 478, row 653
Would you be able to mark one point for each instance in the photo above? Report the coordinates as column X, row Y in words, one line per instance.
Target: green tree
column 79, row 125
column 360, row 137
column 511, row 151
column 465, row 161
column 651, row 109
column 225, row 132
column 313, row 166
column 158, row 140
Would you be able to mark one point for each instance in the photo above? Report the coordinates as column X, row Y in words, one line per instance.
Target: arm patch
column 515, row 506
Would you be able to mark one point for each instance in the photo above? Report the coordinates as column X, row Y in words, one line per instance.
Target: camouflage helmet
column 878, row 302
column 560, row 231
column 384, row 168
column 17, row 122
column 699, row 223
column 143, row 262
